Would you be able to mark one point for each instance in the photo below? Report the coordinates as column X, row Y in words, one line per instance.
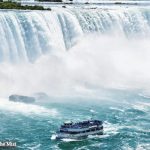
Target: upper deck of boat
column 82, row 124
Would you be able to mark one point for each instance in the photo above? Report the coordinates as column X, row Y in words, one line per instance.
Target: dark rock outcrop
column 20, row 98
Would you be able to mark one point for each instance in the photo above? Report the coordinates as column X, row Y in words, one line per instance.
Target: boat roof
column 82, row 124
column 68, row 122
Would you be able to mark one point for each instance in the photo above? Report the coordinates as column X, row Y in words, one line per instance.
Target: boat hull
column 78, row 135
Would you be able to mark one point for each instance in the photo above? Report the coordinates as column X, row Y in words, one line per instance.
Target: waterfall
column 69, row 50
column 26, row 35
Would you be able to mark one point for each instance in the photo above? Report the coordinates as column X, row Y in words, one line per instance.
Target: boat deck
column 84, row 124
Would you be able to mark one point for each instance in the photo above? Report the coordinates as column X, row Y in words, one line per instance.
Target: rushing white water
column 26, row 109
column 74, row 50
column 27, row 35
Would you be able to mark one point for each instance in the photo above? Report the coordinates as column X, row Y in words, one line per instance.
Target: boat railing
column 81, row 125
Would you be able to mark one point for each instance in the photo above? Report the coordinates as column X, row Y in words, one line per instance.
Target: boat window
column 93, row 129
column 73, row 132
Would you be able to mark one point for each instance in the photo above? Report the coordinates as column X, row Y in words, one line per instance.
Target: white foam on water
column 96, row 136
column 69, row 140
column 110, row 129
column 118, row 109
column 126, row 147
column 146, row 104
column 53, row 137
column 145, row 95
column 37, row 147
column 143, row 106
column 27, row 109
column 143, row 147
column 82, row 148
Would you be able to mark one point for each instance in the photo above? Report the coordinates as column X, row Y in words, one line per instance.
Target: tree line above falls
column 50, row 0
column 13, row 5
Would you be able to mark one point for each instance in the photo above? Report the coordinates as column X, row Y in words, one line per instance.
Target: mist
column 96, row 61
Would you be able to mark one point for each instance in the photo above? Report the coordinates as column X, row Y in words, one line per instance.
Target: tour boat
column 70, row 130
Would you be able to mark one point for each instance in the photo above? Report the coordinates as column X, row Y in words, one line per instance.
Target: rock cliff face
column 20, row 98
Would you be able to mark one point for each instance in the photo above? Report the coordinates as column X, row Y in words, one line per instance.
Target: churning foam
column 96, row 61
column 27, row 109
column 106, row 48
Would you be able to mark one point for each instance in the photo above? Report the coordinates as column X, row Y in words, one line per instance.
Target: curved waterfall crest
column 26, row 35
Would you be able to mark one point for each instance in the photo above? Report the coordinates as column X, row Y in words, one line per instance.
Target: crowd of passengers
column 82, row 124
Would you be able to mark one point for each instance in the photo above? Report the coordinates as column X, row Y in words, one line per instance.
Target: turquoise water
column 126, row 117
